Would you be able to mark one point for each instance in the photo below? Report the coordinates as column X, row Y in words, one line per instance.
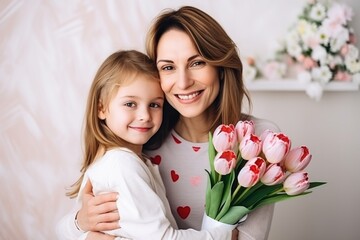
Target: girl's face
column 189, row 83
column 135, row 111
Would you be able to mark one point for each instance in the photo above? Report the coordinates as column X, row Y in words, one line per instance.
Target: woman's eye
column 197, row 63
column 167, row 68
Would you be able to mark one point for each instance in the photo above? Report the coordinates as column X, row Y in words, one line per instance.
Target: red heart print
column 156, row 160
column 183, row 211
column 174, row 176
column 176, row 139
column 196, row 149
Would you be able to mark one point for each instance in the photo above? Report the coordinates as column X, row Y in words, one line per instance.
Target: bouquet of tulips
column 249, row 171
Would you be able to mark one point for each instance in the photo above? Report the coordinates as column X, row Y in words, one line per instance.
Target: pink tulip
column 244, row 128
column 225, row 162
column 297, row 159
column 224, row 138
column 274, row 174
column 252, row 171
column 296, row 183
column 276, row 146
column 265, row 133
column 250, row 146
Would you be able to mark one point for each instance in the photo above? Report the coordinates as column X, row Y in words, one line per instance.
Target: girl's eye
column 155, row 105
column 130, row 104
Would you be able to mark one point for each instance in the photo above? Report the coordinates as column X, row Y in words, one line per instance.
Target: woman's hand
column 98, row 213
column 99, row 236
column 235, row 234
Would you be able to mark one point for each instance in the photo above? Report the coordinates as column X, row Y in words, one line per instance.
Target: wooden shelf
column 293, row 85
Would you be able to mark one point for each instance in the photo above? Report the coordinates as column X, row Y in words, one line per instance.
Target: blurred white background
column 49, row 52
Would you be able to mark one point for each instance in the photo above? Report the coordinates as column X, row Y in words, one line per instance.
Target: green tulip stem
column 276, row 192
column 241, row 195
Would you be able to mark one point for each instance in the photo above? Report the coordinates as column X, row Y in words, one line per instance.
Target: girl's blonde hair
column 118, row 69
column 217, row 48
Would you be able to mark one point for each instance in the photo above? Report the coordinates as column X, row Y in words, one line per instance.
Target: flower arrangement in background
column 250, row 69
column 249, row 171
column 321, row 44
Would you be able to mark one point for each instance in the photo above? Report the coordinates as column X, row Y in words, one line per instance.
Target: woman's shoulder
column 262, row 124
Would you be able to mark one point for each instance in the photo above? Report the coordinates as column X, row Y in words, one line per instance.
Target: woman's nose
column 184, row 80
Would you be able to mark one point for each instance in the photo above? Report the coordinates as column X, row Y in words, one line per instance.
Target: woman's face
column 190, row 84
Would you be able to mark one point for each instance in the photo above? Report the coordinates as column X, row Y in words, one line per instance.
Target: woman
column 201, row 76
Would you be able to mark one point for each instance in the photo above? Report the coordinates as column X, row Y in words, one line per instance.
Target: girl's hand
column 99, row 236
column 98, row 213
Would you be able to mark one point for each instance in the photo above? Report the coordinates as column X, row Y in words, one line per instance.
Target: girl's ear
column 101, row 111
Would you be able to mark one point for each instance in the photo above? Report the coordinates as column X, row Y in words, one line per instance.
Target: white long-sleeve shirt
column 145, row 211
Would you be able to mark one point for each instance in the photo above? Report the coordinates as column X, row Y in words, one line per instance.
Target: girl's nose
column 144, row 115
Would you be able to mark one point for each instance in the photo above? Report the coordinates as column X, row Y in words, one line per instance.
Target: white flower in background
column 318, row 12
column 337, row 42
column 323, row 36
column 307, row 32
column 340, row 13
column 250, row 71
column 319, row 53
column 353, row 65
column 321, row 74
column 314, row 90
column 321, row 43
column 351, row 52
column 274, row 70
column 304, row 77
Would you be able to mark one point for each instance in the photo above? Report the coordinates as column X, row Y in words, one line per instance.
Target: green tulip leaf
column 225, row 207
column 215, row 200
column 208, row 193
column 261, row 193
column 234, row 214
column 276, row 198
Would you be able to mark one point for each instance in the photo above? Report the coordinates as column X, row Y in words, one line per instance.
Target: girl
column 124, row 111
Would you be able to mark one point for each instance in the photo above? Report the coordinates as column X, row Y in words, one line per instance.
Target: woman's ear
column 101, row 111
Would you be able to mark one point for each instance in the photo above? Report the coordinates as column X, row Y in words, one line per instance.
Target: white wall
column 49, row 52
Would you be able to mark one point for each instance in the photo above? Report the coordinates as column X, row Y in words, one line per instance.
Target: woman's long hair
column 119, row 68
column 217, row 48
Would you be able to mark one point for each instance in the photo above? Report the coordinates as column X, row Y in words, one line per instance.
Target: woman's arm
column 96, row 214
column 257, row 225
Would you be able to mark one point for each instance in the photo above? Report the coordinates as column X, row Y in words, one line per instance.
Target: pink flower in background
column 297, row 159
column 250, row 146
column 225, row 162
column 224, row 137
column 276, row 146
column 274, row 174
column 342, row 76
column 244, row 128
column 296, row 183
